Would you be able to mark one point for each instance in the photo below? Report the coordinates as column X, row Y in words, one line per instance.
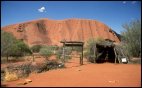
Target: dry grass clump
column 9, row 76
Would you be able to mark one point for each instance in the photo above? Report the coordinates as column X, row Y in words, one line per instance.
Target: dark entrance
column 105, row 54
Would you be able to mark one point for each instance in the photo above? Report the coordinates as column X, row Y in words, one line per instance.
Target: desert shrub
column 20, row 49
column 54, row 49
column 89, row 50
column 78, row 49
column 46, row 51
column 2, row 74
column 24, row 70
column 20, row 70
column 9, row 76
column 131, row 38
column 13, row 72
column 36, row 48
column 7, row 41
column 137, row 61
column 49, row 65
column 10, row 46
column 59, row 54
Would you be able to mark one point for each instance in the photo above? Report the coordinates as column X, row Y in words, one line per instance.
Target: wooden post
column 81, row 59
column 82, row 55
column 94, row 49
column 115, row 55
column 63, row 51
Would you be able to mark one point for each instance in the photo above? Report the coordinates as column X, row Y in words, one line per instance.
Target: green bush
column 10, row 46
column 49, row 65
column 46, row 51
column 59, row 54
column 89, row 46
column 20, row 49
column 20, row 70
column 131, row 38
column 7, row 41
column 78, row 49
column 36, row 48
column 89, row 50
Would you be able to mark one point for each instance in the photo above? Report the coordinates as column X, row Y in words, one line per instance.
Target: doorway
column 105, row 54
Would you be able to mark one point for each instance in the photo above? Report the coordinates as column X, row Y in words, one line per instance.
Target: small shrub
column 10, row 76
column 13, row 72
column 135, row 60
column 49, row 65
column 78, row 49
column 21, row 70
column 59, row 54
column 24, row 70
column 89, row 51
column 46, row 51
column 2, row 74
column 36, row 48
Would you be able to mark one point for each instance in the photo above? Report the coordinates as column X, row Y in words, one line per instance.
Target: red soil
column 87, row 75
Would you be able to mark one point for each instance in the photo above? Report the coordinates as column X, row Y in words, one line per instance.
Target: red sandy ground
column 88, row 75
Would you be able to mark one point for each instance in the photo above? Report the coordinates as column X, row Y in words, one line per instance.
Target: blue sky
column 112, row 13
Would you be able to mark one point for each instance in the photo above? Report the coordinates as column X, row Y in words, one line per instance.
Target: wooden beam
column 82, row 57
column 115, row 55
column 73, row 43
column 63, row 51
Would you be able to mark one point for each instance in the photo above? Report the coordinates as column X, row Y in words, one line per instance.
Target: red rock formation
column 51, row 32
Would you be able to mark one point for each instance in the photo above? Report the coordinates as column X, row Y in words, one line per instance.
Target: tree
column 7, row 41
column 131, row 38
column 20, row 49
column 10, row 46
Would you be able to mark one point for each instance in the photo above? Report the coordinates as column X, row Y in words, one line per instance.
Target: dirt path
column 88, row 75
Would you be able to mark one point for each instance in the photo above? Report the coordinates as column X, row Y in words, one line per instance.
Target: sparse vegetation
column 7, row 41
column 59, row 54
column 20, row 49
column 49, row 65
column 78, row 49
column 36, row 48
column 13, row 72
column 9, row 76
column 89, row 50
column 131, row 38
column 46, row 51
column 10, row 46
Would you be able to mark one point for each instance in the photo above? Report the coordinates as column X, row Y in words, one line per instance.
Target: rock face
column 51, row 32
